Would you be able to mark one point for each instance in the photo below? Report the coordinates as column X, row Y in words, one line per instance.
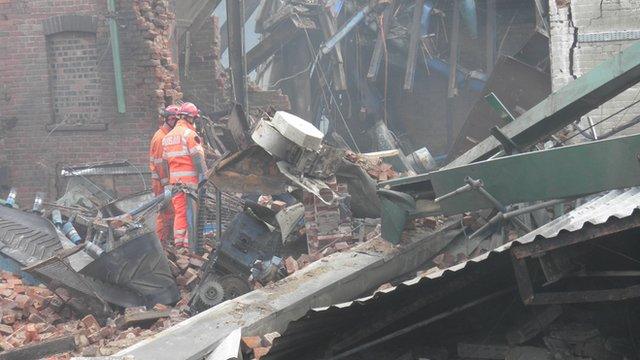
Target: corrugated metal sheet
column 614, row 204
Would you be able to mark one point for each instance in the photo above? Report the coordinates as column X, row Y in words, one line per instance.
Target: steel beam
column 237, row 59
column 564, row 106
column 569, row 171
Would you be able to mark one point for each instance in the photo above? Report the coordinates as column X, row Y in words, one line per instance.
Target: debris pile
column 255, row 347
column 34, row 318
column 374, row 166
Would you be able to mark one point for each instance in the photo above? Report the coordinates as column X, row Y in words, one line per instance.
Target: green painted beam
column 499, row 107
column 115, row 50
column 569, row 171
column 564, row 106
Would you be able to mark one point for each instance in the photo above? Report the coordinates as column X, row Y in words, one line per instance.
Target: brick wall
column 57, row 81
column 73, row 76
column 572, row 55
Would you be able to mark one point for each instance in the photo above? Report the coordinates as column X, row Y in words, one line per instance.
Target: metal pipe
column 510, row 214
column 346, row 29
column 115, row 50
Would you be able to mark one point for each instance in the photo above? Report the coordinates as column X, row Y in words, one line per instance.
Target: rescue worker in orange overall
column 183, row 155
column 159, row 176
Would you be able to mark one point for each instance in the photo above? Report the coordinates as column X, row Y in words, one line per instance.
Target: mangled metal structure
column 459, row 187
column 120, row 262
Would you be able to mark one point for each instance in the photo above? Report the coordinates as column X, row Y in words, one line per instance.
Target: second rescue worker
column 159, row 176
column 184, row 156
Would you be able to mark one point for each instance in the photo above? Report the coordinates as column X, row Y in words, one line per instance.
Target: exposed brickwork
column 571, row 58
column 204, row 78
column 154, row 21
column 31, row 151
column 75, row 88
column 327, row 225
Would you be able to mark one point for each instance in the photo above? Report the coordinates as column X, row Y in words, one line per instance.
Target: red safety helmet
column 170, row 115
column 189, row 109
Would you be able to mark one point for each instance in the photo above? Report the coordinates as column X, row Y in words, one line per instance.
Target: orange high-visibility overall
column 159, row 179
column 180, row 148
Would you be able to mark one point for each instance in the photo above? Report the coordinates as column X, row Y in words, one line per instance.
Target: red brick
column 260, row 352
column 90, row 323
column 291, row 264
column 251, row 342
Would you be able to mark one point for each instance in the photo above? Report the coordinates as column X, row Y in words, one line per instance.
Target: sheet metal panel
column 616, row 204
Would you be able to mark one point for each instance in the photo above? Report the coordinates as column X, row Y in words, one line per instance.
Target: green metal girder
column 566, row 105
column 569, row 171
column 499, row 107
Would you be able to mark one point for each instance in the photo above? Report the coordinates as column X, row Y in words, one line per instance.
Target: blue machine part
column 464, row 79
column 426, row 18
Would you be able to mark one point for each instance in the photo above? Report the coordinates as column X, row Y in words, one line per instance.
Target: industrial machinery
column 250, row 248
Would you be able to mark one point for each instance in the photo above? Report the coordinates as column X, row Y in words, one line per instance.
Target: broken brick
column 291, row 265
column 260, row 352
column 23, row 301
column 251, row 342
column 91, row 323
column 278, row 205
column 269, row 338
column 6, row 329
column 9, row 317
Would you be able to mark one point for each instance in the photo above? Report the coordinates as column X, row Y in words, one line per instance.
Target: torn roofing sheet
column 616, row 204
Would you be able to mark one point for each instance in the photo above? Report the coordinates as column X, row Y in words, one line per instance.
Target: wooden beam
column 143, row 317
column 237, row 59
column 284, row 33
column 414, row 40
column 203, row 15
column 328, row 25
column 378, row 50
column 41, row 349
column 249, row 7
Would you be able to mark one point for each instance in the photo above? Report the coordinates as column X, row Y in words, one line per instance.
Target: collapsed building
column 389, row 179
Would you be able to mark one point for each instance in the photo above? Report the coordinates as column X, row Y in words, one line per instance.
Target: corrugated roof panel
column 616, row 203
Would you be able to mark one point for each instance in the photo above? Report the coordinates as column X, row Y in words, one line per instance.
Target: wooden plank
column 286, row 32
column 414, row 40
column 537, row 323
column 41, row 349
column 142, row 317
column 328, row 25
column 378, row 50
